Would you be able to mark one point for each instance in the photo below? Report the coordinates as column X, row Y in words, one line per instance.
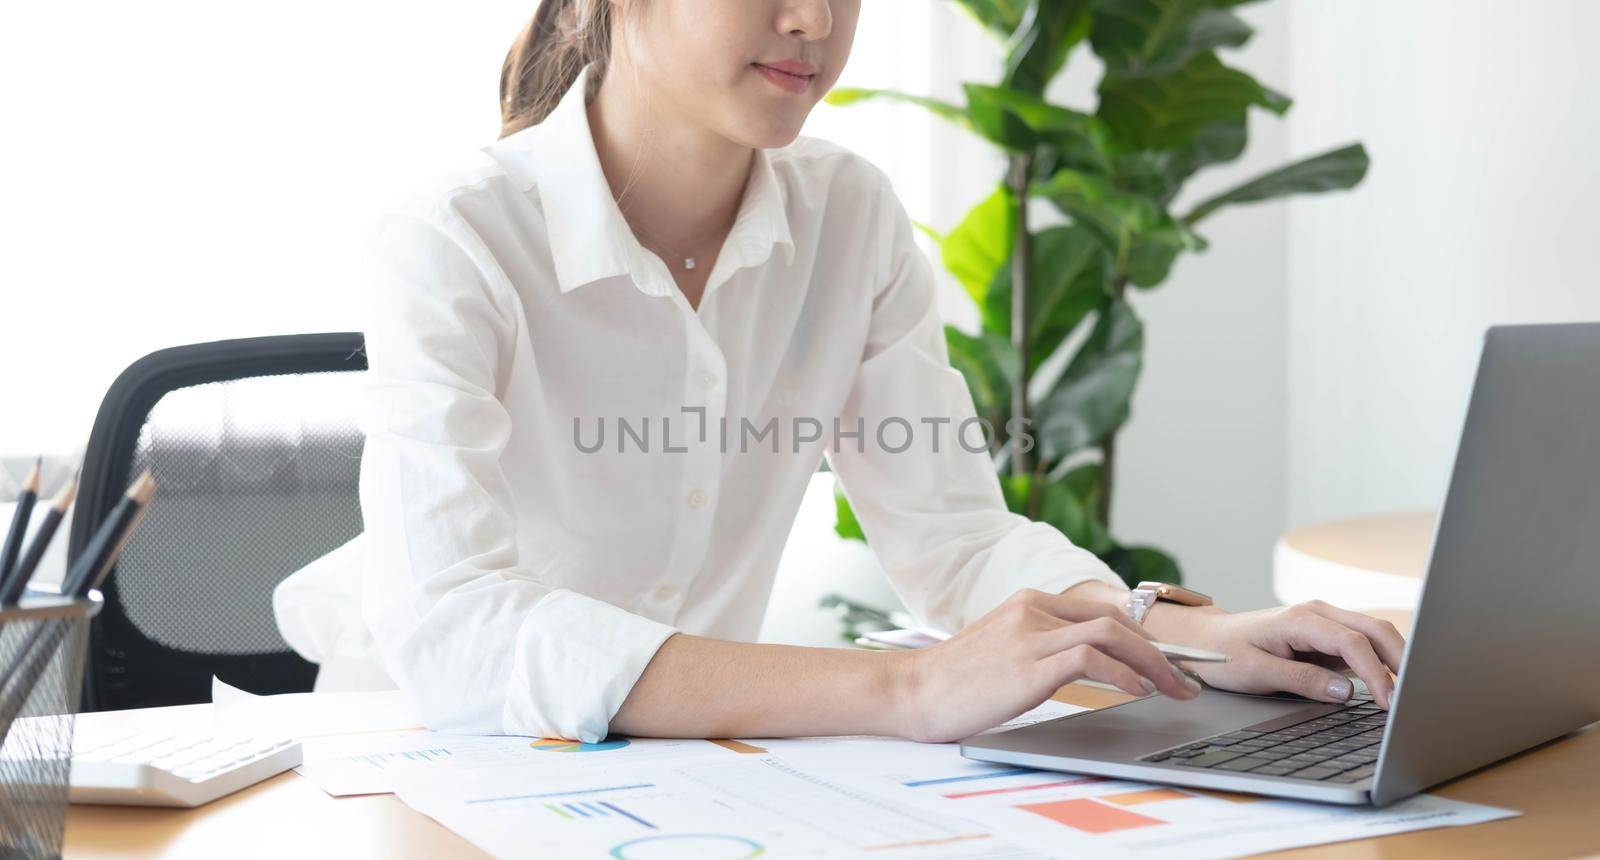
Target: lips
column 792, row 76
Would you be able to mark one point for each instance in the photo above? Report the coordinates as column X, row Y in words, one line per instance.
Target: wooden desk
column 287, row 816
column 1361, row 563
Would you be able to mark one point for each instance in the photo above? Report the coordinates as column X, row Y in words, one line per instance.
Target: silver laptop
column 1505, row 651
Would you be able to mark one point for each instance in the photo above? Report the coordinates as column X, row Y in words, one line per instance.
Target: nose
column 809, row 20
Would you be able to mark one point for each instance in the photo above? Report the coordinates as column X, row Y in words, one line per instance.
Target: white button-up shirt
column 566, row 462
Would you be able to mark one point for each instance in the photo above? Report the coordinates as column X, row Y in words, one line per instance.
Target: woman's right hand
column 1017, row 656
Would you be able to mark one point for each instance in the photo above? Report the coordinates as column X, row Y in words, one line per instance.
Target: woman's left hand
column 1296, row 649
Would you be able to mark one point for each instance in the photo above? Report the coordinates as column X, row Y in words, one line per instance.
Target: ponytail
column 544, row 62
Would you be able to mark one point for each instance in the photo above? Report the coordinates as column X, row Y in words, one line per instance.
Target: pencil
column 12, row 588
column 19, row 520
column 101, row 553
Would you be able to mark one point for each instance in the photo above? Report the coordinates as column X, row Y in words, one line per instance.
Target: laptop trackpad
column 1149, row 724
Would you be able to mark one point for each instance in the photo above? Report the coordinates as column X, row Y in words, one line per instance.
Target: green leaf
column 1060, row 508
column 1160, row 173
column 1153, row 251
column 1139, row 563
column 980, row 245
column 999, row 17
column 1168, row 111
column 1096, row 203
column 1084, row 483
column 1217, row 143
column 1073, row 138
column 1035, row 52
column 989, row 363
column 1154, row 37
column 1331, row 171
column 1090, row 399
column 1071, row 274
column 1144, row 239
column 843, row 96
column 1041, row 42
column 1037, row 113
column 994, row 123
column 1060, row 505
column 1014, row 488
column 845, row 524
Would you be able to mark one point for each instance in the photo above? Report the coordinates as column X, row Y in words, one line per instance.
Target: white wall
column 1481, row 207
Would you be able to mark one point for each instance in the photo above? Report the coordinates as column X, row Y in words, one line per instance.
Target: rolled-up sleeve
column 463, row 617
column 933, row 512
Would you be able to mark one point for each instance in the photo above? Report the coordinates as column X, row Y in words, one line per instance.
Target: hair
column 544, row 62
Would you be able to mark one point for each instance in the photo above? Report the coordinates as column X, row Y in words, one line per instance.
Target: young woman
column 651, row 245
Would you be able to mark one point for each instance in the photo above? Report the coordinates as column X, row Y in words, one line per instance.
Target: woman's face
column 730, row 65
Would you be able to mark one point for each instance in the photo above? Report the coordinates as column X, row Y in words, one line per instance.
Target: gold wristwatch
column 1147, row 593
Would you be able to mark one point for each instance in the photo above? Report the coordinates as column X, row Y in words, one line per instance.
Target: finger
column 1123, row 645
column 1085, row 661
column 1385, row 638
column 1268, row 674
column 1076, row 610
column 1309, row 631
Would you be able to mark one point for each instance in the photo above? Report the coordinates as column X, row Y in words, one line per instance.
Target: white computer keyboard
column 164, row 769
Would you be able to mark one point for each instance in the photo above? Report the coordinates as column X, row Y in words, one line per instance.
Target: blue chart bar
column 585, row 809
column 561, row 793
column 425, row 755
column 383, row 760
column 995, row 774
column 623, row 812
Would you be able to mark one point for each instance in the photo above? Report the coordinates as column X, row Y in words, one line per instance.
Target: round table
column 1365, row 563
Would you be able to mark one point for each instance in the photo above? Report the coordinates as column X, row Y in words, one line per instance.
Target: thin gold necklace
column 688, row 261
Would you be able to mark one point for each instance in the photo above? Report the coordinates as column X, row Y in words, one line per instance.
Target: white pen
column 1174, row 653
column 919, row 637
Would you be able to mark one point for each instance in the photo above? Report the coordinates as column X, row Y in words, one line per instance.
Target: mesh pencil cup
column 42, row 647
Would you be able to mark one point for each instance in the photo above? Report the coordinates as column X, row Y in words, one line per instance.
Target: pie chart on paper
column 558, row 745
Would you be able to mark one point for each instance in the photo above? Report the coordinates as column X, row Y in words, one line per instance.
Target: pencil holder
column 42, row 647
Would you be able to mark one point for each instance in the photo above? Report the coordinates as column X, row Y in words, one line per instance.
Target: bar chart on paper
column 1049, row 800
column 372, row 764
column 1068, row 813
column 733, row 807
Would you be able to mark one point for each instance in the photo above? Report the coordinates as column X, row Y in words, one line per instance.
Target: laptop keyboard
column 1340, row 747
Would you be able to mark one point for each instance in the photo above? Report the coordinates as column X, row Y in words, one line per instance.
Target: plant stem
column 1108, row 448
column 1035, row 490
column 1021, row 254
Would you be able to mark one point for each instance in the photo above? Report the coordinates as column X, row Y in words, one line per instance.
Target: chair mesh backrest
column 255, row 478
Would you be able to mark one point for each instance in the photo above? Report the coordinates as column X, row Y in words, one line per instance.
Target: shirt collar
column 589, row 238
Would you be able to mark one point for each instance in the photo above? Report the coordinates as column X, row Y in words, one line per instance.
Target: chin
column 770, row 132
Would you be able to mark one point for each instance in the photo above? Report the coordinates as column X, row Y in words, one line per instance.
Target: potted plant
column 1168, row 107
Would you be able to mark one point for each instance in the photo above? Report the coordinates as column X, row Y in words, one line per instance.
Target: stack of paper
column 823, row 797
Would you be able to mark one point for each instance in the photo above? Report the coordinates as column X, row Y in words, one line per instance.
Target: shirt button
column 708, row 379
column 697, row 499
column 666, row 593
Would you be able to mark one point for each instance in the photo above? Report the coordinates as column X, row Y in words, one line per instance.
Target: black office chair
column 256, row 454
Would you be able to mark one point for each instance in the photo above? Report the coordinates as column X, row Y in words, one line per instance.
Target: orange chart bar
column 739, row 746
column 1090, row 816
